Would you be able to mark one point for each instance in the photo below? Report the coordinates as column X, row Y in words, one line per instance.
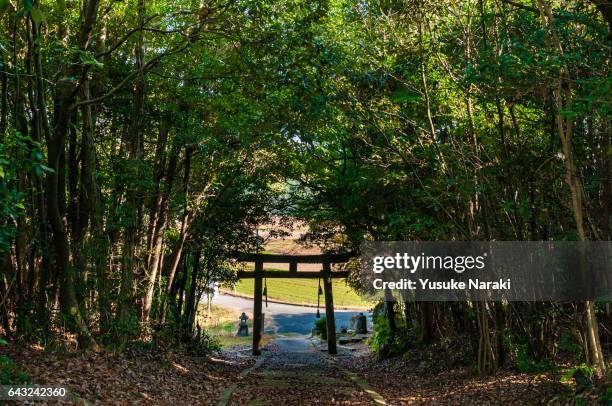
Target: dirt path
column 295, row 373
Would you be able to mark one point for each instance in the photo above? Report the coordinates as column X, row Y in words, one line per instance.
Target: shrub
column 383, row 341
column 10, row 372
column 320, row 327
column 582, row 375
column 526, row 363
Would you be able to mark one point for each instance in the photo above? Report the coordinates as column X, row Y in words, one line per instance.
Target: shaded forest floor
column 148, row 377
column 431, row 377
column 291, row 372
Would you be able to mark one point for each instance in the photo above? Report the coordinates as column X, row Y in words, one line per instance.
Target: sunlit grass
column 223, row 325
column 303, row 291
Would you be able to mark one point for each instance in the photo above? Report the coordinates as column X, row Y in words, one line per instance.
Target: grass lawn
column 223, row 325
column 225, row 333
column 304, row 291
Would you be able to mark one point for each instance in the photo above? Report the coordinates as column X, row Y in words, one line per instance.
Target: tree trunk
column 177, row 251
column 67, row 88
column 390, row 313
column 158, row 236
column 160, row 162
column 565, row 125
column 4, row 110
column 133, row 223
column 427, row 322
column 486, row 360
column 191, row 304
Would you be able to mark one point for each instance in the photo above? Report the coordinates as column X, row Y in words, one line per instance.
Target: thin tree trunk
column 4, row 108
column 177, row 251
column 4, row 294
column 40, row 127
column 67, row 89
column 432, row 128
column 565, row 126
column 191, row 305
column 427, row 322
column 180, row 287
column 160, row 162
column 134, row 200
column 159, row 228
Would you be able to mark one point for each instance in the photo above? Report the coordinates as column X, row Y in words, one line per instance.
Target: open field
column 297, row 291
column 303, row 291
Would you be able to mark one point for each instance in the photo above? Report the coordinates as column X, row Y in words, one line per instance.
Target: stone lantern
column 243, row 327
column 361, row 325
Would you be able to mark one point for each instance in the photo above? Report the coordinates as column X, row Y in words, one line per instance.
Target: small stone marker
column 362, row 324
column 243, row 328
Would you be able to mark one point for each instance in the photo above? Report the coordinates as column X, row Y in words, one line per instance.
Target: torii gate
column 293, row 260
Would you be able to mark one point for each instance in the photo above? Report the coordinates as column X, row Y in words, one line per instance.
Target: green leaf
column 27, row 5
column 403, row 95
column 88, row 59
column 46, row 168
column 38, row 15
column 37, row 155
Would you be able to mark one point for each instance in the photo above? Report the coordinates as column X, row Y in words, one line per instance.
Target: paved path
column 295, row 373
column 284, row 318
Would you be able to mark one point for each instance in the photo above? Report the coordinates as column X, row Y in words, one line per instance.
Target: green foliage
column 383, row 341
column 526, row 363
column 14, row 158
column 368, row 120
column 204, row 344
column 582, row 375
column 10, row 372
column 568, row 343
column 381, row 337
column 606, row 396
column 126, row 327
column 173, row 334
column 320, row 327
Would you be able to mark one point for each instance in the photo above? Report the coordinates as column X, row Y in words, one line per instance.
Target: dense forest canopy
column 142, row 142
